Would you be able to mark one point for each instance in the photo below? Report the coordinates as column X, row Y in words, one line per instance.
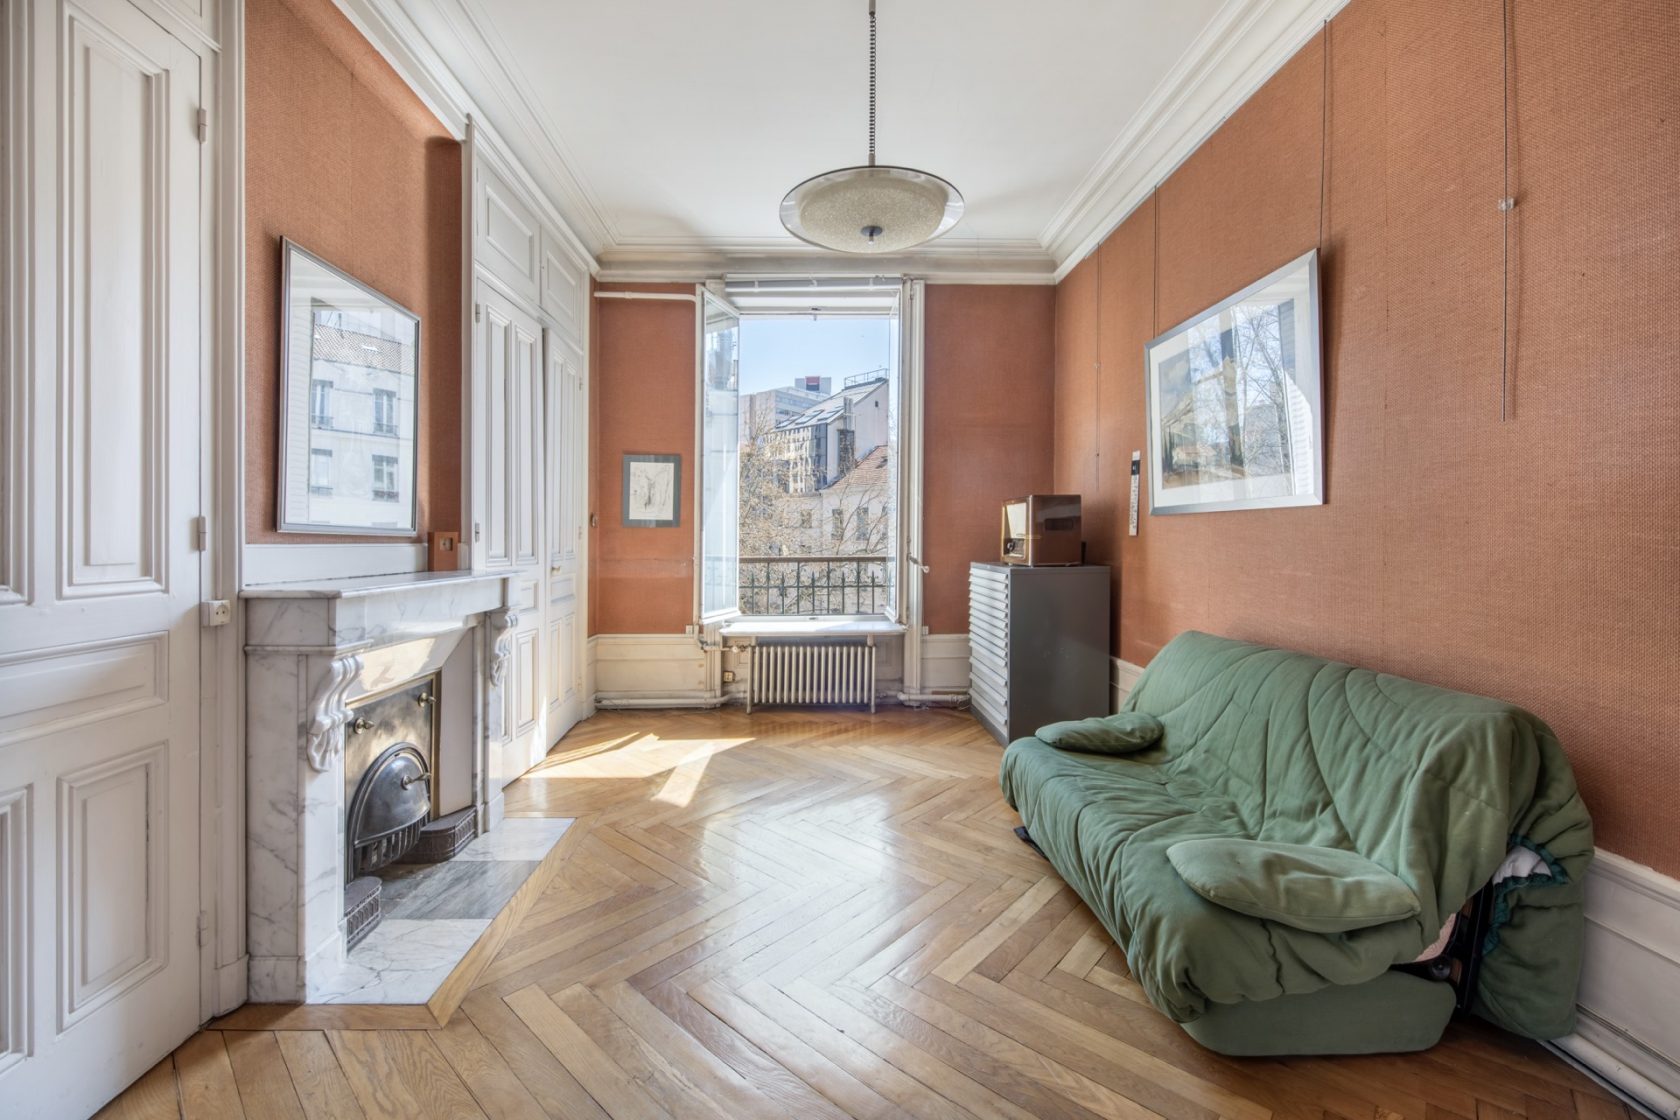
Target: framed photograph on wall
column 652, row 491
column 1235, row 400
column 349, row 403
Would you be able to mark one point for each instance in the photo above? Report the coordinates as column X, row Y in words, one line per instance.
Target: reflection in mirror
column 350, row 403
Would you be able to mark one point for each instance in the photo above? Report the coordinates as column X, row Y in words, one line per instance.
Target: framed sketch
column 1235, row 408
column 349, row 403
column 652, row 491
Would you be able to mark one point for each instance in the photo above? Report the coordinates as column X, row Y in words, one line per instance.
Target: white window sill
column 804, row 627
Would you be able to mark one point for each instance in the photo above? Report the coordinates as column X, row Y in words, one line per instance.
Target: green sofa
column 1435, row 790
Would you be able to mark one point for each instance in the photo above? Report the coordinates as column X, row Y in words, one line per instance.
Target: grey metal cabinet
column 1038, row 645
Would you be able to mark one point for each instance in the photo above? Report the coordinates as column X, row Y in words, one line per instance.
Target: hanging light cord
column 872, row 83
column 1507, row 203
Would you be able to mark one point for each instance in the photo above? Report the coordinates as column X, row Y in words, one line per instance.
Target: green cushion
column 1395, row 1013
column 1119, row 734
column 1324, row 890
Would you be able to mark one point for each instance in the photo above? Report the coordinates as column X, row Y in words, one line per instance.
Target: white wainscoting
column 944, row 669
column 1629, row 1029
column 651, row 671
column 293, row 563
column 1121, row 677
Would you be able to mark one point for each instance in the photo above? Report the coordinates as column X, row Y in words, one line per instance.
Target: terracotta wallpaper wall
column 1532, row 558
column 342, row 158
column 989, row 353
column 641, row 400
column 987, row 430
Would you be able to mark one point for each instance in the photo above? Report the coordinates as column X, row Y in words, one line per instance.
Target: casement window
column 320, row 403
column 384, row 478
column 833, row 441
column 320, row 470
column 384, row 412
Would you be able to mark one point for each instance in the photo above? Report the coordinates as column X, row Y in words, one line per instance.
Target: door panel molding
column 42, row 693
column 113, row 928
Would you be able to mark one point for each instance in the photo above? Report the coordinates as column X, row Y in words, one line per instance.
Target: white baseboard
column 1122, row 676
column 1629, row 1030
column 290, row 563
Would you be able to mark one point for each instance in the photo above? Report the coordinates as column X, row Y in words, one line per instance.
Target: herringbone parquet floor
column 814, row 915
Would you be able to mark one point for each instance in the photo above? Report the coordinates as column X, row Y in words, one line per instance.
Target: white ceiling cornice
column 971, row 262
column 1244, row 45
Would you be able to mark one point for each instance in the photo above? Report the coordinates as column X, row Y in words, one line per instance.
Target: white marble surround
column 312, row 650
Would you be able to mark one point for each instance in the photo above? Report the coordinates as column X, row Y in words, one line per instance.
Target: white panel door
column 510, row 512
column 99, row 632
column 568, row 445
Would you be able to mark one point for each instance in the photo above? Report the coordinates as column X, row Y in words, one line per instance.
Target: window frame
column 904, row 610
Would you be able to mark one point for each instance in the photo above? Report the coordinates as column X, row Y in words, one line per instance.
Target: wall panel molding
column 1628, row 1032
column 15, row 923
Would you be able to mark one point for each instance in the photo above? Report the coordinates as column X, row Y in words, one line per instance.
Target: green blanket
column 1432, row 785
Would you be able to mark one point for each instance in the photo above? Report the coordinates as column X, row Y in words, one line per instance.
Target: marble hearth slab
column 434, row 913
column 404, row 961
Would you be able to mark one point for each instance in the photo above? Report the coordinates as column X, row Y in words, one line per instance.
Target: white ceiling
column 673, row 126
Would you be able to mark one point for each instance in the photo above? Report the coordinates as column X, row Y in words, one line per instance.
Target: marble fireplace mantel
column 313, row 649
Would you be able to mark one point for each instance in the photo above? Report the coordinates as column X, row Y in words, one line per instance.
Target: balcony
column 815, row 585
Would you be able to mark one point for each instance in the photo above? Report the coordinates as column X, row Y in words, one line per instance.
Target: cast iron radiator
column 812, row 673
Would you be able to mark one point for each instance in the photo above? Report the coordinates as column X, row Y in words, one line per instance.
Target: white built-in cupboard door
column 510, row 511
column 568, row 445
column 99, row 633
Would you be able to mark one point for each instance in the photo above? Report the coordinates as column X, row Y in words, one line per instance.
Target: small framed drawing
column 652, row 491
column 1235, row 409
column 349, row 403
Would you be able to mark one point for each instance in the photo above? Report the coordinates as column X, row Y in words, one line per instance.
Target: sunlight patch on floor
column 634, row 756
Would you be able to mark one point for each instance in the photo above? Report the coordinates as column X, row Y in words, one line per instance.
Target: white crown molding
column 393, row 34
column 509, row 104
column 402, row 43
column 1245, row 44
column 967, row 262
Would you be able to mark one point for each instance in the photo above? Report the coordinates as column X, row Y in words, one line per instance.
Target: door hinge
column 203, row 125
column 203, row 928
column 478, row 312
column 476, row 533
column 201, row 533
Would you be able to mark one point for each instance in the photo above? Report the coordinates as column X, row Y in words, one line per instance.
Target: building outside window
column 384, row 412
column 862, row 530
column 320, row 403
column 320, row 470
column 837, row 531
column 384, row 478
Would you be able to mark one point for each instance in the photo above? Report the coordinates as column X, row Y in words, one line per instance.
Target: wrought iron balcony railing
column 815, row 585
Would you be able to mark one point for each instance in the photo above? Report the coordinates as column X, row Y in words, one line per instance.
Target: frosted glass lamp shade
column 871, row 209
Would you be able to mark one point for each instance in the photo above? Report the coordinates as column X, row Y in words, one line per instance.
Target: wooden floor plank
column 401, row 1075
column 322, row 1089
column 833, row 919
column 204, row 1075
column 265, row 1083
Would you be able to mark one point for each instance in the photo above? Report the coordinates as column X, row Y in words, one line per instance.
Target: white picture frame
column 349, row 404
column 1235, row 413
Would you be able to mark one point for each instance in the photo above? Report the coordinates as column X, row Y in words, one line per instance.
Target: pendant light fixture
column 873, row 208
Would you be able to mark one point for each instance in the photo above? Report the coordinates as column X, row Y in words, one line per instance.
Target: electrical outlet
column 217, row 612
column 729, row 676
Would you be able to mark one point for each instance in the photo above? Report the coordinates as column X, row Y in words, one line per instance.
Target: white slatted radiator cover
column 812, row 674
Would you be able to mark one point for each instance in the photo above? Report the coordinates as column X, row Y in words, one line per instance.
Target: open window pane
column 720, row 463
column 819, row 485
